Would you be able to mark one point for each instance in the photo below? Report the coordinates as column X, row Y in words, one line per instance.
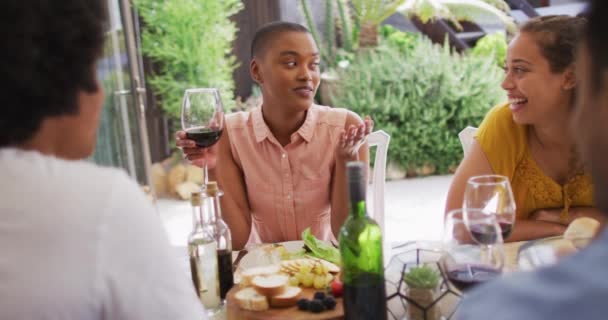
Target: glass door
column 122, row 138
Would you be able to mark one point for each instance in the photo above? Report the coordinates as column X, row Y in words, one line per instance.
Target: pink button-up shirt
column 288, row 188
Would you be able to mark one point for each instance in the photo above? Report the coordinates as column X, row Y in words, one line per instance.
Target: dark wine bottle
column 222, row 236
column 361, row 250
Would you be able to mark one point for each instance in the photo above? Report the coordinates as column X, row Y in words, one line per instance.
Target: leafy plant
column 492, row 45
column 368, row 16
column 422, row 97
column 331, row 52
column 479, row 11
column 423, row 277
column 190, row 42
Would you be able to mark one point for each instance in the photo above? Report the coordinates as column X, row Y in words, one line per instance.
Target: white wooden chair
column 466, row 137
column 375, row 199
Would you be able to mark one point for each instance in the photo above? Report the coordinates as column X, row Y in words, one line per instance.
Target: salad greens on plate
column 320, row 249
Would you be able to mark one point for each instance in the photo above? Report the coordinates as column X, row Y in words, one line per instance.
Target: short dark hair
column 597, row 41
column 558, row 37
column 47, row 55
column 265, row 33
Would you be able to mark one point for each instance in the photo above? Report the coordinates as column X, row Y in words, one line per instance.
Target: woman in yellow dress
column 529, row 139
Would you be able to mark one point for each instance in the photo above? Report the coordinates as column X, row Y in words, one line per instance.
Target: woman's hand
column 353, row 138
column 196, row 155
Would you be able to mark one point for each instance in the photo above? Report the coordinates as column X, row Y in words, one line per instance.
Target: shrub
column 422, row 96
column 492, row 45
column 190, row 42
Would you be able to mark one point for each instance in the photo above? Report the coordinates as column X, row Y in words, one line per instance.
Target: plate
column 543, row 252
column 264, row 254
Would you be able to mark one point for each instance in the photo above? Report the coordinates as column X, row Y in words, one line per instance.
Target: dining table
column 511, row 264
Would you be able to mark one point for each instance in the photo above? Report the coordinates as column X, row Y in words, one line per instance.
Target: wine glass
column 203, row 118
column 493, row 195
column 469, row 257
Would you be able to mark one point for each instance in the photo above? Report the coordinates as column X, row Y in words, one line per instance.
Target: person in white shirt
column 77, row 241
column 577, row 287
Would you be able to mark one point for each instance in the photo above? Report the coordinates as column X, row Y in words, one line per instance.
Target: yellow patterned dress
column 505, row 145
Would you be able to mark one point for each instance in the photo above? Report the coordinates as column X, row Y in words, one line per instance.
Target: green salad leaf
column 320, row 249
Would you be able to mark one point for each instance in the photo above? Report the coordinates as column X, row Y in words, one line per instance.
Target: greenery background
column 421, row 94
column 190, row 41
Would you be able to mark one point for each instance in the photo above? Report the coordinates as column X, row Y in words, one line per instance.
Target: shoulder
column 338, row 117
column 238, row 120
column 502, row 140
column 558, row 292
column 95, row 190
column 519, row 296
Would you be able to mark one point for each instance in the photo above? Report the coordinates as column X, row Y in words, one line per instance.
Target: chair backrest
column 466, row 137
column 380, row 140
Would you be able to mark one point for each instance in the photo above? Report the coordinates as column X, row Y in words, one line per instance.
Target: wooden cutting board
column 234, row 312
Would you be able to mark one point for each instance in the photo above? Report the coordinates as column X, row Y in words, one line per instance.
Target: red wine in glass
column 505, row 228
column 204, row 137
column 466, row 276
column 483, row 233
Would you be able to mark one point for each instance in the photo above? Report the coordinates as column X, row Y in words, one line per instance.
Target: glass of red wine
column 203, row 118
column 493, row 195
column 471, row 255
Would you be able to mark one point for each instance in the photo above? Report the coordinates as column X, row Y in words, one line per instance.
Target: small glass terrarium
column 417, row 289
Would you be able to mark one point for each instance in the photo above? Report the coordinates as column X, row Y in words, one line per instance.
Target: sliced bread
column 250, row 299
column 288, row 298
column 249, row 274
column 271, row 285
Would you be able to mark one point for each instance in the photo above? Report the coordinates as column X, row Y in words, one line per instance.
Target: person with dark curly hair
column 77, row 241
column 528, row 139
column 577, row 287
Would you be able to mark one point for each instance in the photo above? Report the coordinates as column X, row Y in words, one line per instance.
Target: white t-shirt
column 78, row 241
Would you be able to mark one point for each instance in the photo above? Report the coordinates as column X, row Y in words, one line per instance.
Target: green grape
column 300, row 276
column 324, row 268
column 305, row 268
column 318, row 269
column 319, row 282
column 308, row 280
column 293, row 281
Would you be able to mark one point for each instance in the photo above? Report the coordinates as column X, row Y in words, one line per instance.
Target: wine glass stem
column 205, row 175
column 487, row 254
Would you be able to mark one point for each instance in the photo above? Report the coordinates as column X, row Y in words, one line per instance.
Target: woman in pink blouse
column 282, row 165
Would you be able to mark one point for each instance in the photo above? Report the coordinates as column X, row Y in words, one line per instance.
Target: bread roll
column 271, row 285
column 249, row 299
column 563, row 247
column 288, row 298
column 581, row 231
column 248, row 275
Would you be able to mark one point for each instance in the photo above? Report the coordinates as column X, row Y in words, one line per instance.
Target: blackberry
column 329, row 303
column 303, row 304
column 316, row 306
column 319, row 295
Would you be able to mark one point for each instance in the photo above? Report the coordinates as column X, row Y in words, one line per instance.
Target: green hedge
column 190, row 41
column 422, row 95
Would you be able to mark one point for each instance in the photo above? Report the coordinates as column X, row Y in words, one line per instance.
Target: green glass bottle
column 361, row 250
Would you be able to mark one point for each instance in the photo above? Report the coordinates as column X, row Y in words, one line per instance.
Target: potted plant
column 422, row 283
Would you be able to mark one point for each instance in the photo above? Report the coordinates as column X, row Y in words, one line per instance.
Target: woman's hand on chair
column 353, row 138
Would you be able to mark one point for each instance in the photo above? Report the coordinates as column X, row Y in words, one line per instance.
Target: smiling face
column 288, row 71
column 536, row 93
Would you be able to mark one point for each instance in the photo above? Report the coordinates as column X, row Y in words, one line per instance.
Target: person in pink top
column 282, row 165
